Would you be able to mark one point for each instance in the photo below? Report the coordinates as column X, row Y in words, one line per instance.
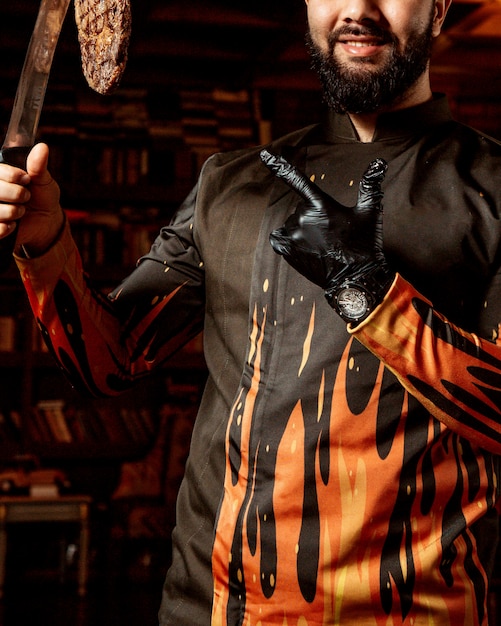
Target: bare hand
column 32, row 197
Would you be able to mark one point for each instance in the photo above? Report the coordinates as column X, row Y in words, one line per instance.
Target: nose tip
column 360, row 11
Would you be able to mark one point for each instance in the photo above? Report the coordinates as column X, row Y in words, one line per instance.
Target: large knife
column 28, row 102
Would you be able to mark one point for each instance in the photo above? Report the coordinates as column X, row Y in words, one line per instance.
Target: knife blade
column 25, row 116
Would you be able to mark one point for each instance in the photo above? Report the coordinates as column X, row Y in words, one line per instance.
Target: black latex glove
column 338, row 248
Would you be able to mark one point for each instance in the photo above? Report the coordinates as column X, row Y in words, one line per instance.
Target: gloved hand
column 336, row 247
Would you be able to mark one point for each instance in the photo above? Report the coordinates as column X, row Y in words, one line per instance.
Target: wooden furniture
column 26, row 509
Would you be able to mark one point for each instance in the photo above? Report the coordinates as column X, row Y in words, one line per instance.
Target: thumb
column 37, row 163
column 44, row 189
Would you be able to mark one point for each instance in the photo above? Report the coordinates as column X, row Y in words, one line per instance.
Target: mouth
column 360, row 43
column 360, row 46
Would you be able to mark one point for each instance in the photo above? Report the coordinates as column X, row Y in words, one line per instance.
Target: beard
column 364, row 89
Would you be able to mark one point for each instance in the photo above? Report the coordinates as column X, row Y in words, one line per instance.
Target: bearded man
column 344, row 463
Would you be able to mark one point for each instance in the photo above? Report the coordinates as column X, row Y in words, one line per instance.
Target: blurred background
column 202, row 76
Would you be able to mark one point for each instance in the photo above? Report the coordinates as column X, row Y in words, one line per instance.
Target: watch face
column 352, row 303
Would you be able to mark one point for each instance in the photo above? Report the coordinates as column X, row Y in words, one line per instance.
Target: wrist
column 33, row 250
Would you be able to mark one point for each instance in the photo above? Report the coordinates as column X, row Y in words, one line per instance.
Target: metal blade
column 23, row 124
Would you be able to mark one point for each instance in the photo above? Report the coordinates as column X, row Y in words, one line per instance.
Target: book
column 53, row 412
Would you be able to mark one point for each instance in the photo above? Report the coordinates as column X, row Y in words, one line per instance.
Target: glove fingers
column 378, row 237
column 280, row 241
column 369, row 192
column 291, row 176
column 298, row 255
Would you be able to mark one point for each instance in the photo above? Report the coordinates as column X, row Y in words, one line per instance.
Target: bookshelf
column 124, row 163
column 42, row 415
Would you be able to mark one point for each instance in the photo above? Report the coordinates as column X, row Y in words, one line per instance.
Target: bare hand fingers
column 13, row 197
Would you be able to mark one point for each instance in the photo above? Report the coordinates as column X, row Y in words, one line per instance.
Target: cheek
column 408, row 17
column 321, row 21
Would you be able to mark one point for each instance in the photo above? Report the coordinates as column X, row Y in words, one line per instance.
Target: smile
column 361, row 47
column 360, row 44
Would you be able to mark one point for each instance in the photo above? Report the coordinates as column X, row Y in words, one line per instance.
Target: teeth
column 359, row 44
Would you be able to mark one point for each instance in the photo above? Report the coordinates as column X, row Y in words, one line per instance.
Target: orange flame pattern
column 352, row 519
column 341, row 507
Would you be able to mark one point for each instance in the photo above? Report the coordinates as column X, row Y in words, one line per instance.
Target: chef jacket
column 336, row 475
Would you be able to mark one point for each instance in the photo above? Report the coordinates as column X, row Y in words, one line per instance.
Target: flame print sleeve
column 104, row 344
column 455, row 374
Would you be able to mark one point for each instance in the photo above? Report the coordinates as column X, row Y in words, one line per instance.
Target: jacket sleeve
column 455, row 374
column 105, row 343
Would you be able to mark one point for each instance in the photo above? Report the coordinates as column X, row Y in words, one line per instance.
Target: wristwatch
column 352, row 302
column 355, row 296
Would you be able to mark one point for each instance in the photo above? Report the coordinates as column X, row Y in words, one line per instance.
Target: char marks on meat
column 104, row 28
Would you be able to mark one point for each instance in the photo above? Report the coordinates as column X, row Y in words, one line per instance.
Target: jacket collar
column 396, row 125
